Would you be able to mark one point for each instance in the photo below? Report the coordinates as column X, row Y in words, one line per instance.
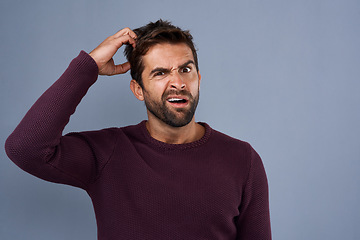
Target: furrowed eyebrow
column 159, row 70
column 187, row 63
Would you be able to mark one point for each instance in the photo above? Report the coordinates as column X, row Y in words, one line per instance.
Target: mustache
column 176, row 92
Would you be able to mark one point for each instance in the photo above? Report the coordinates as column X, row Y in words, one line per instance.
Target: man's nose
column 176, row 81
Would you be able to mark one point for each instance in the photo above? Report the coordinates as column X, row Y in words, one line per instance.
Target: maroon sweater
column 214, row 188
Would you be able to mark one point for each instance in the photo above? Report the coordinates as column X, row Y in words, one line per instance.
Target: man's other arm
column 254, row 218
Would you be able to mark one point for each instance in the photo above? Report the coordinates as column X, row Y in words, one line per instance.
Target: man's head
column 165, row 73
column 151, row 35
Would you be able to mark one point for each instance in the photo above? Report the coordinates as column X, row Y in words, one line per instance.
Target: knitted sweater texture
column 141, row 188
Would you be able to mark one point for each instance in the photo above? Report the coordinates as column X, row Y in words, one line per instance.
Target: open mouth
column 177, row 100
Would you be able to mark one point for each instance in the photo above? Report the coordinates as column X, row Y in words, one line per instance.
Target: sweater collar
column 168, row 146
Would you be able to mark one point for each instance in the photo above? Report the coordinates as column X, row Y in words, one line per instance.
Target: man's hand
column 103, row 54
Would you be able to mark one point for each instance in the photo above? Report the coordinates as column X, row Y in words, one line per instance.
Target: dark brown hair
column 150, row 35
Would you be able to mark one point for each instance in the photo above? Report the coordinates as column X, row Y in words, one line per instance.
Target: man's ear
column 199, row 78
column 137, row 90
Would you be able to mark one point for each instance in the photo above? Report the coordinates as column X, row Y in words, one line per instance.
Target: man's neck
column 174, row 135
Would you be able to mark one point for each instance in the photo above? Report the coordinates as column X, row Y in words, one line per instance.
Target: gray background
column 282, row 75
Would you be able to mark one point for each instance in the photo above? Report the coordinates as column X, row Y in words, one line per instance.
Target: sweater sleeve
column 254, row 217
column 37, row 145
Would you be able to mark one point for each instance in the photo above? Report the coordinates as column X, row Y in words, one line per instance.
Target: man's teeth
column 176, row 100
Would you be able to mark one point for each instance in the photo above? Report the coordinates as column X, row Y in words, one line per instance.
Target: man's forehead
column 168, row 55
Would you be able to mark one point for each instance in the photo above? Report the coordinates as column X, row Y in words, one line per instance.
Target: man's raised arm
column 37, row 145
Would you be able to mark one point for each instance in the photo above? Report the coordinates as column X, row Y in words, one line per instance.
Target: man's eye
column 186, row 69
column 159, row 74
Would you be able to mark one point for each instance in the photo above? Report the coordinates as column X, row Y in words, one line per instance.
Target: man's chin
column 178, row 121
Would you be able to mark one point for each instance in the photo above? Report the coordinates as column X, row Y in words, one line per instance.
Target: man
column 165, row 178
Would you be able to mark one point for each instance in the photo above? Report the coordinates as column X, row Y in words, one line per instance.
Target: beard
column 176, row 118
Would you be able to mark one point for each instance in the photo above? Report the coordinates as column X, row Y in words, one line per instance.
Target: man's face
column 171, row 83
